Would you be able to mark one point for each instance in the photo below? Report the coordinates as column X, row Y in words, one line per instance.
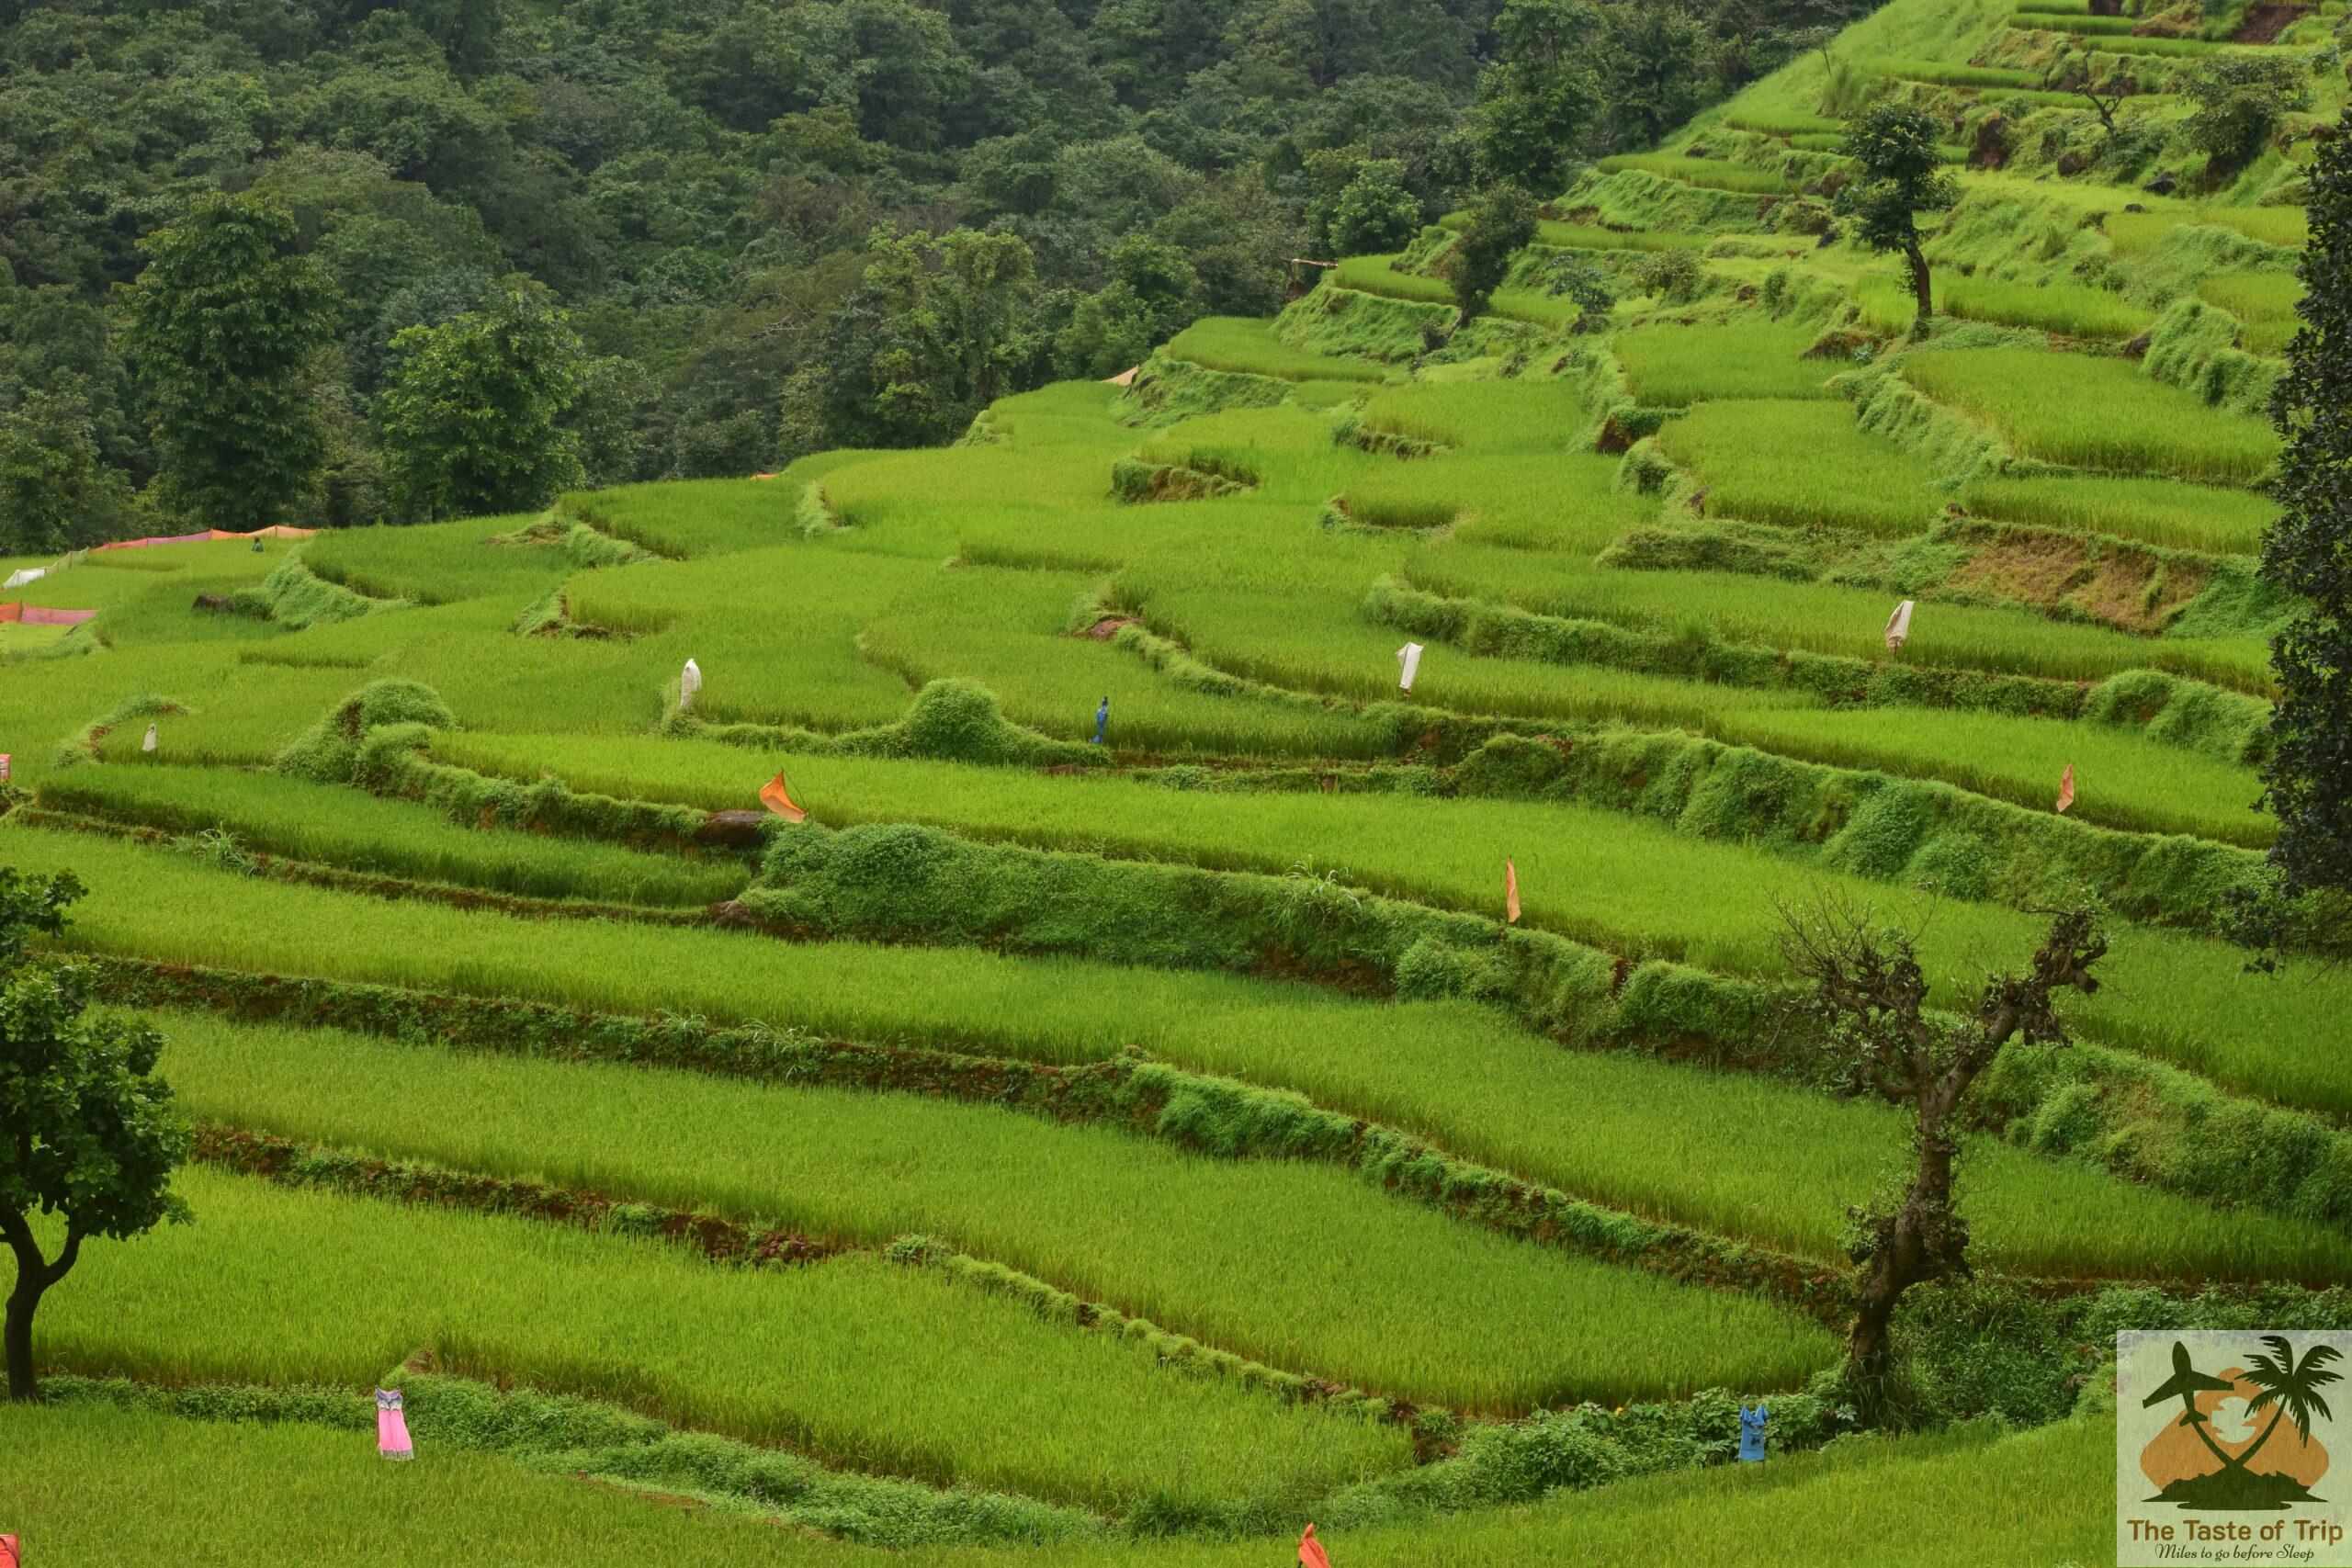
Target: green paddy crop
column 1379, row 1292
column 1825, row 617
column 1249, row 347
column 1801, row 462
column 1376, row 274
column 1944, row 74
column 329, row 825
column 2163, row 511
column 1621, row 882
column 231, row 713
column 1532, row 414
column 2177, row 48
column 15, row 638
column 2073, row 309
column 1765, row 122
column 2095, row 412
column 2049, row 18
column 1190, row 1243
column 181, row 1481
column 438, row 563
column 1711, row 174
column 861, row 1361
column 2265, row 301
column 1566, row 502
column 1007, row 630
column 2125, row 780
column 333, row 1499
column 1324, row 646
column 2132, row 232
column 1565, row 236
column 1674, row 366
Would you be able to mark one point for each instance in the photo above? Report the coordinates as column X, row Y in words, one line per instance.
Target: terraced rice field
column 1051, row 1150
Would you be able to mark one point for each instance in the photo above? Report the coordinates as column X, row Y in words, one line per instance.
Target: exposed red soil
column 2263, row 23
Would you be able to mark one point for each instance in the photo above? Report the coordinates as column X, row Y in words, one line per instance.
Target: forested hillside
column 708, row 190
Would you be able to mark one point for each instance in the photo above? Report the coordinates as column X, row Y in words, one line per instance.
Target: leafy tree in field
column 55, row 494
column 939, row 328
column 1539, row 98
column 1583, row 283
column 1502, row 223
column 1145, row 302
column 473, row 419
column 2239, row 100
column 88, row 1133
column 1902, row 176
column 1375, row 212
column 2307, row 553
column 225, row 322
column 1652, row 71
column 1870, row 1001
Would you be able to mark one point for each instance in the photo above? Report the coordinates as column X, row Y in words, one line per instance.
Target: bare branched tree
column 2103, row 103
column 1870, row 999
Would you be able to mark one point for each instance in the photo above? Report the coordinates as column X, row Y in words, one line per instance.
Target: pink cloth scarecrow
column 391, row 1426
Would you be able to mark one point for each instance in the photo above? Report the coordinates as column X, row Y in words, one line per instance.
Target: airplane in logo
column 2186, row 1383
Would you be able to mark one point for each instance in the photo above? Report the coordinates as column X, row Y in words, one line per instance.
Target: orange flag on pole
column 777, row 795
column 1510, row 890
column 2066, row 789
column 1311, row 1553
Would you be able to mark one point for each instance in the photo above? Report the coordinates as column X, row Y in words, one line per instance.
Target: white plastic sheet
column 1898, row 625
column 29, row 574
column 148, row 744
column 1408, row 661
column 689, row 682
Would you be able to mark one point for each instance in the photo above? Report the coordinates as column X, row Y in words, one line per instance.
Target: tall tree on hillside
column 473, row 419
column 2238, row 100
column 1374, row 212
column 939, row 328
column 1538, row 99
column 1902, row 176
column 1502, row 223
column 1653, row 70
column 56, row 493
column 1870, row 1001
column 224, row 325
column 87, row 1132
column 2307, row 553
column 1144, row 304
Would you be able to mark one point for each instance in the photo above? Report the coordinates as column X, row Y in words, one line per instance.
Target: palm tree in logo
column 2289, row 1388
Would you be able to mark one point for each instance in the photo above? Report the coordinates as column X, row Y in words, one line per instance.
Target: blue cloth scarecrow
column 1102, row 722
column 1751, row 1433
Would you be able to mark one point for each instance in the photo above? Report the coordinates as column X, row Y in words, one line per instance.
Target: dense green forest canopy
column 773, row 228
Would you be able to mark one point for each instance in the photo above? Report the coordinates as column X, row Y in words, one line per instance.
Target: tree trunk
column 19, row 1338
column 1919, row 289
column 35, row 1275
column 1901, row 1258
column 1868, row 1349
column 2247, row 1458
